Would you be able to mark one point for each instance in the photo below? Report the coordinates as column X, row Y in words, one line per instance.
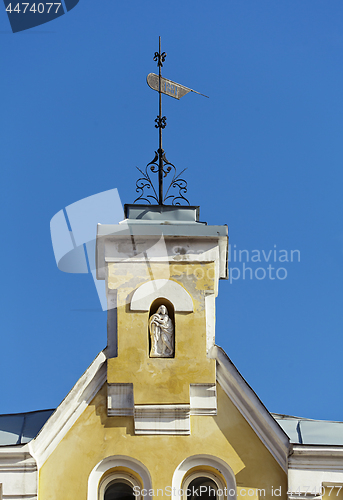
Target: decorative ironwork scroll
column 145, row 186
column 160, row 165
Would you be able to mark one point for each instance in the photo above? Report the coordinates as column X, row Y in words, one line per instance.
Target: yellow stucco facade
column 161, row 380
column 95, row 436
column 220, row 436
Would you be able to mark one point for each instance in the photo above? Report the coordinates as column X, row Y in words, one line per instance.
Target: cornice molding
column 16, row 459
column 162, row 419
column 317, row 450
column 314, row 457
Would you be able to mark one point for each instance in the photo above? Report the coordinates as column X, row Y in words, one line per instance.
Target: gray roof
column 20, row 428
column 308, row 431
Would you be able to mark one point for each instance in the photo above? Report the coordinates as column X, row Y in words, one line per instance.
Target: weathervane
column 160, row 164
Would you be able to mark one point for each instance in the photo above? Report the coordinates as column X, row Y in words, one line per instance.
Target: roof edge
column 251, row 407
column 69, row 410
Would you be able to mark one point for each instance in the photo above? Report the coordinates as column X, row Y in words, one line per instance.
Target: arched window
column 119, row 490
column 204, row 472
column 103, row 479
column 204, row 485
column 120, row 486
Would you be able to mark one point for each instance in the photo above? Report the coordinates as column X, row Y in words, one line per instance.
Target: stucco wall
column 161, row 381
column 95, row 436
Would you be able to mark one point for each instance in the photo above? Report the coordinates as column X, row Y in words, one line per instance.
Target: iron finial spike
column 160, row 161
column 161, row 123
column 160, row 165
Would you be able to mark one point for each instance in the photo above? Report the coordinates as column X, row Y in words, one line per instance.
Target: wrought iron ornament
column 177, row 182
column 160, row 164
column 160, row 58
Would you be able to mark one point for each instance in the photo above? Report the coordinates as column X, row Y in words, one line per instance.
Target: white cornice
column 250, row 406
column 162, row 419
column 14, row 451
column 16, row 459
column 314, row 457
column 18, row 473
column 317, row 450
column 69, row 410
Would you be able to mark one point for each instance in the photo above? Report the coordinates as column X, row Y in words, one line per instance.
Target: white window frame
column 203, row 463
column 106, row 468
column 122, row 477
column 206, row 474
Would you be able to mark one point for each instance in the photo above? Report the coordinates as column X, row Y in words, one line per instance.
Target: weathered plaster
column 95, row 436
column 158, row 380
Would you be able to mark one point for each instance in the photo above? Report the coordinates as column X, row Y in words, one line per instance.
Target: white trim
column 120, row 400
column 314, row 465
column 203, row 399
column 209, row 475
column 306, row 455
column 69, row 410
column 210, row 307
column 162, row 419
column 162, row 288
column 117, row 461
column 18, row 473
column 121, row 476
column 302, row 481
column 250, row 406
column 16, row 459
column 205, row 461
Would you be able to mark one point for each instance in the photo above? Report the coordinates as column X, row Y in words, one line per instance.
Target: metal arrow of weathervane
column 160, row 164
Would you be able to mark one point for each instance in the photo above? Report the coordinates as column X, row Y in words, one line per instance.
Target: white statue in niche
column 161, row 334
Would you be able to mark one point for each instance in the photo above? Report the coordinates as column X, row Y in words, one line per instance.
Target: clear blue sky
column 264, row 155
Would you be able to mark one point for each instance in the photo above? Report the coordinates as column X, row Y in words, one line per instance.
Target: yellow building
column 162, row 411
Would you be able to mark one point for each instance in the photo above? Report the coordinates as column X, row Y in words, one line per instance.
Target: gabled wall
column 94, row 436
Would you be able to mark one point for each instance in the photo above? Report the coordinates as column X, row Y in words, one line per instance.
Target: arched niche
column 155, row 306
column 153, row 290
column 159, row 302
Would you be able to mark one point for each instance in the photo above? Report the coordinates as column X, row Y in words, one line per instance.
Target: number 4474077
column 40, row 7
